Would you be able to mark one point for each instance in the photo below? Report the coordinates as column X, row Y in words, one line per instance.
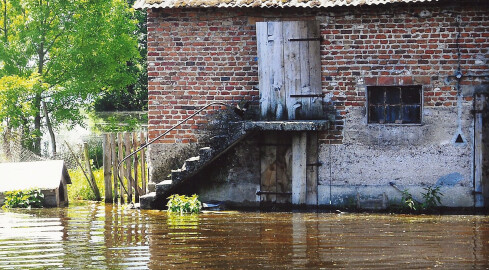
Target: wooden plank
column 303, row 73
column 299, row 149
column 316, row 103
column 478, row 151
column 268, row 173
column 107, row 168
column 120, row 151
column 292, row 68
column 284, row 167
column 275, row 62
column 115, row 161
column 128, row 173
column 263, row 70
column 135, row 140
column 143, row 164
column 312, row 170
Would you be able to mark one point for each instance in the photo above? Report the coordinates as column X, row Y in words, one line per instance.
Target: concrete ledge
column 296, row 125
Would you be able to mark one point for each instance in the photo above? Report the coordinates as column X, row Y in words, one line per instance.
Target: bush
column 184, row 204
column 32, row 198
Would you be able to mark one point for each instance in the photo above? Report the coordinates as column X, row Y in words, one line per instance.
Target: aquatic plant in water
column 32, row 198
column 184, row 204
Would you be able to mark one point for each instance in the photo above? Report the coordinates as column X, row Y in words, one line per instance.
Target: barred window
column 394, row 104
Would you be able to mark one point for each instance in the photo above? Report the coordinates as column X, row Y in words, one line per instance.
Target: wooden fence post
column 127, row 142
column 107, row 171
column 135, row 182
column 143, row 164
column 115, row 161
column 121, row 169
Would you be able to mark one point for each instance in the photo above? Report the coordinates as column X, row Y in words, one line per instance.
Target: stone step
column 146, row 201
column 178, row 175
column 191, row 164
column 163, row 187
column 205, row 154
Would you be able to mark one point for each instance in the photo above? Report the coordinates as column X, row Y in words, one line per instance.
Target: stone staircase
column 191, row 167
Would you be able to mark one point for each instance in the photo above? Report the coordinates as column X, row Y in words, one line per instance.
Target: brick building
column 351, row 101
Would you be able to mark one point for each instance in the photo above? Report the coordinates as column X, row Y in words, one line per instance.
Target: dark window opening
column 394, row 104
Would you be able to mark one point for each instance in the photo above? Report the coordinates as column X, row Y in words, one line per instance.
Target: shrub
column 32, row 198
column 184, row 204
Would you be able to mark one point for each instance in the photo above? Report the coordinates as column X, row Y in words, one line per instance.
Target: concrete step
column 191, row 164
column 178, row 175
column 163, row 187
column 205, row 154
column 146, row 201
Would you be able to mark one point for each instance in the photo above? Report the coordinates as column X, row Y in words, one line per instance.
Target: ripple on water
column 98, row 236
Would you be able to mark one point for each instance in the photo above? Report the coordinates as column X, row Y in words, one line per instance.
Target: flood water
column 98, row 236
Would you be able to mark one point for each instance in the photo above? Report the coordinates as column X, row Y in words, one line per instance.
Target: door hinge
column 305, row 39
column 273, row 193
column 308, row 95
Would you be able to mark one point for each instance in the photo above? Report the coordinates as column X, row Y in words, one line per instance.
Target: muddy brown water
column 98, row 236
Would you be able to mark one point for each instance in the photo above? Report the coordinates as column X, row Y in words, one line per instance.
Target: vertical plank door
column 289, row 70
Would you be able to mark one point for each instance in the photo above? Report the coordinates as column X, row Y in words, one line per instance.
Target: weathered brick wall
column 197, row 56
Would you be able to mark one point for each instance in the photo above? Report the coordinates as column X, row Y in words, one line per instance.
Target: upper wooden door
column 289, row 70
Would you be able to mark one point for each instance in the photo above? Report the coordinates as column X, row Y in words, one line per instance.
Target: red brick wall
column 201, row 55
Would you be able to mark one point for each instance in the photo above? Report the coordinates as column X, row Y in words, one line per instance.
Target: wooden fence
column 133, row 171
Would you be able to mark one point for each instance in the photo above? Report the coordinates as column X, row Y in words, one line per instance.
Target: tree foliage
column 65, row 53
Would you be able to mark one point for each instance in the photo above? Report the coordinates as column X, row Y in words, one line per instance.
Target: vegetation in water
column 432, row 199
column 32, row 198
column 184, row 204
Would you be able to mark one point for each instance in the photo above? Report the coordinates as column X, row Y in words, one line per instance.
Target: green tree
column 134, row 97
column 75, row 49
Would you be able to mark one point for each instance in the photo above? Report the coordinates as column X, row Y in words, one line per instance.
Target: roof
column 140, row 4
column 28, row 175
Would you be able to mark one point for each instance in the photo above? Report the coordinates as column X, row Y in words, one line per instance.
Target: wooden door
column 289, row 70
column 276, row 168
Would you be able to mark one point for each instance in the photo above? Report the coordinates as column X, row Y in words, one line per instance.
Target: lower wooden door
column 276, row 168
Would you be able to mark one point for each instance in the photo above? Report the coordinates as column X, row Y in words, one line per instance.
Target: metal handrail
column 160, row 136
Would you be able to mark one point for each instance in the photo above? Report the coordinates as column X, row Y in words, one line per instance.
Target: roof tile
column 140, row 4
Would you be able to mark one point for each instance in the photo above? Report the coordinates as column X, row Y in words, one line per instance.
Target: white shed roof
column 38, row 174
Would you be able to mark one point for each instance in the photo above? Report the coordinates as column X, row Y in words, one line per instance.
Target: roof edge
column 168, row 4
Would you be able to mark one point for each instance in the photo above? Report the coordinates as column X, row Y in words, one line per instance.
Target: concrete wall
column 412, row 157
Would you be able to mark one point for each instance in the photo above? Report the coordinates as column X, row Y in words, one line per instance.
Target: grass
column 79, row 188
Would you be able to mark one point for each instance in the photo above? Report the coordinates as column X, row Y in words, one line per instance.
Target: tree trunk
column 50, row 129
column 37, row 125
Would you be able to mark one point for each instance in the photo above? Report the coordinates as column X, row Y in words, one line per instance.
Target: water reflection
column 95, row 236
